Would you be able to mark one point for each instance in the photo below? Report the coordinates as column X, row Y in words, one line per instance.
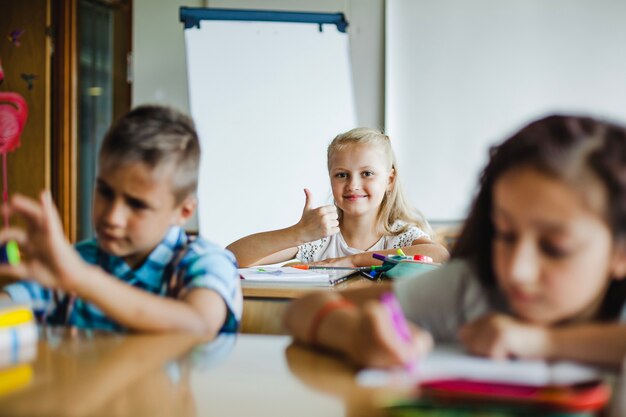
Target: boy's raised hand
column 317, row 223
column 48, row 257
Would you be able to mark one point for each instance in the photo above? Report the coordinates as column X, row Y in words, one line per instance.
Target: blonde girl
column 370, row 213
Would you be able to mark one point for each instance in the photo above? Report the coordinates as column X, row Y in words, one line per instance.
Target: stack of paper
column 293, row 276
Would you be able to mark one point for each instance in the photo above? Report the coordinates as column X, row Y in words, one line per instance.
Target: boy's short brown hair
column 156, row 136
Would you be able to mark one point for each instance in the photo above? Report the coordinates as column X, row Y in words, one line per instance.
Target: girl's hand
column 317, row 223
column 48, row 257
column 376, row 343
column 500, row 336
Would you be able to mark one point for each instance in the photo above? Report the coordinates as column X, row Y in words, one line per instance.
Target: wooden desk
column 87, row 374
column 263, row 306
column 170, row 375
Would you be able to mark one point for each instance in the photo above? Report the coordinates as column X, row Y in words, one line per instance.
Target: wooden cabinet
column 27, row 68
column 46, row 54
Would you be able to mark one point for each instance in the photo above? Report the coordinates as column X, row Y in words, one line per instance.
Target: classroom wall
column 159, row 69
column 160, row 74
column 461, row 76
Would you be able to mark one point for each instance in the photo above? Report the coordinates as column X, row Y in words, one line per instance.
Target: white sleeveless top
column 335, row 246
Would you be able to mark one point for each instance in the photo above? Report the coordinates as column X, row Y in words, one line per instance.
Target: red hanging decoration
column 13, row 115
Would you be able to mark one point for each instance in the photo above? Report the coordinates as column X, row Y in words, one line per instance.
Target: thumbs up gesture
column 317, row 223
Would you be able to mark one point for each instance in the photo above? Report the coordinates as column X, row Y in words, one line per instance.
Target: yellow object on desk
column 13, row 315
column 15, row 378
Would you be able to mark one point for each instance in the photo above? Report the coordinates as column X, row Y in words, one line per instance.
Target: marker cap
column 422, row 258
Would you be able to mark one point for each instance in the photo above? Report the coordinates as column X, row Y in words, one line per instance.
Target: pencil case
column 408, row 269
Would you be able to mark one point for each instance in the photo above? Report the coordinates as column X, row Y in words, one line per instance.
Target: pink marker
column 398, row 321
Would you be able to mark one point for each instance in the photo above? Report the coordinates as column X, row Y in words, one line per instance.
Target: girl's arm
column 502, row 336
column 425, row 246
column 422, row 246
column 354, row 324
column 281, row 245
column 602, row 343
column 266, row 247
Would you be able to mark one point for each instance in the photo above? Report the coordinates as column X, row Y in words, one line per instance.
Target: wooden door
column 25, row 53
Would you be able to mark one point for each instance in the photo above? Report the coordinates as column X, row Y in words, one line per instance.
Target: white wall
column 159, row 66
column 463, row 75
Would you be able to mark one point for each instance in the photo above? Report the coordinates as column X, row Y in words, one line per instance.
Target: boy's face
column 133, row 208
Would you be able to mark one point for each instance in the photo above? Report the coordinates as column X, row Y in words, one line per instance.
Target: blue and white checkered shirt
column 204, row 265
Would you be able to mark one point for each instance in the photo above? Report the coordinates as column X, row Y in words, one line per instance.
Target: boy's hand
column 317, row 223
column 48, row 257
column 500, row 336
column 376, row 343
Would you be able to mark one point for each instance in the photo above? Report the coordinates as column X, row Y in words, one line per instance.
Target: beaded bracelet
column 326, row 309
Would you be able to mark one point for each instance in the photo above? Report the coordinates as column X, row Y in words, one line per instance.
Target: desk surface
column 88, row 374
column 141, row 375
column 264, row 305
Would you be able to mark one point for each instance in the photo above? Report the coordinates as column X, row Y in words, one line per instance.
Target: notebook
column 454, row 383
column 450, row 362
column 289, row 276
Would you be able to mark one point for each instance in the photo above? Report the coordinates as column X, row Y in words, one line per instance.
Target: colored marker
column 390, row 301
column 352, row 268
column 398, row 322
column 402, row 258
column 417, row 258
column 384, row 258
column 265, row 271
column 401, row 253
column 423, row 258
column 373, row 274
column 10, row 253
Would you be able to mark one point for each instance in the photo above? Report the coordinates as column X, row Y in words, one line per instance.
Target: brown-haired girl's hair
column 581, row 151
column 156, row 136
column 395, row 205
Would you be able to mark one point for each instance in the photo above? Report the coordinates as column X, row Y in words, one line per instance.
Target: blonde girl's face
column 360, row 175
column 553, row 254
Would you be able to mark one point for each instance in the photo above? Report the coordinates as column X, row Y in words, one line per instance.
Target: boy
column 141, row 272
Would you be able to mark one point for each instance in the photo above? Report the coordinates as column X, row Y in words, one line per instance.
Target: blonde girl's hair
column 394, row 206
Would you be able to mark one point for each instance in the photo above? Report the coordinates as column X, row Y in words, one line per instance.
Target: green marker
column 10, row 253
